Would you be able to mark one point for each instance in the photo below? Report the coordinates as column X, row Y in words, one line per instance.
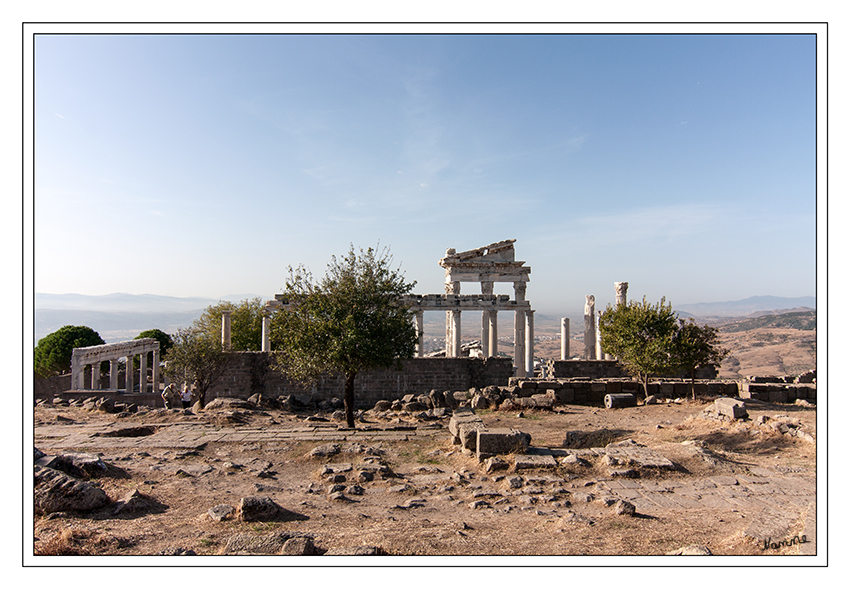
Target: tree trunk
column 693, row 389
column 349, row 398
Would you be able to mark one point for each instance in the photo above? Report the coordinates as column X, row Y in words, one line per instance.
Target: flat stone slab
column 772, row 524
column 524, row 461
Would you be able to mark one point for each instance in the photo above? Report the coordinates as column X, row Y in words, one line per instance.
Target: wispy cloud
column 58, row 115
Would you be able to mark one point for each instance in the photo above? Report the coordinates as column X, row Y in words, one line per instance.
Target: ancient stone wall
column 605, row 369
column 251, row 372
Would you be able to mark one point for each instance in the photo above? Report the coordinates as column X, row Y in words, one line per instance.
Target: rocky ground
column 646, row 480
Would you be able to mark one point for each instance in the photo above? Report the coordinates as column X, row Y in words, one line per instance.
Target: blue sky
column 203, row 165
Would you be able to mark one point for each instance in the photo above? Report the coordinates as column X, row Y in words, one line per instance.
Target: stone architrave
column 590, row 327
column 565, row 338
column 620, row 289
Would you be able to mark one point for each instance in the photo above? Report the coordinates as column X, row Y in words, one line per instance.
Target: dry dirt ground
column 727, row 478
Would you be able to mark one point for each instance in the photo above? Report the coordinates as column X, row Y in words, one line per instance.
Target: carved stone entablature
column 92, row 354
column 491, row 263
column 450, row 302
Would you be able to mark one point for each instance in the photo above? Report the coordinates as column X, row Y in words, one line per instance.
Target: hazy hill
column 119, row 316
column 745, row 307
column 803, row 320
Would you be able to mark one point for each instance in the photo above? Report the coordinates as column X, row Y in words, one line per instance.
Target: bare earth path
column 730, row 486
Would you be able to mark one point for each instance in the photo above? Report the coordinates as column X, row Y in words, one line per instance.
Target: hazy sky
column 205, row 165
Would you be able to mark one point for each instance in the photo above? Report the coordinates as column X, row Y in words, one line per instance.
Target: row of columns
column 79, row 372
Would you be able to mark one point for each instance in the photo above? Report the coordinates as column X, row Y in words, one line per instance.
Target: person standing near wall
column 186, row 396
column 169, row 396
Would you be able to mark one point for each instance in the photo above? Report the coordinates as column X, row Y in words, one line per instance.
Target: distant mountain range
column 761, row 305
column 117, row 317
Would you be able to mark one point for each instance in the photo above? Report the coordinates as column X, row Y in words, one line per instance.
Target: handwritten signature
column 792, row 542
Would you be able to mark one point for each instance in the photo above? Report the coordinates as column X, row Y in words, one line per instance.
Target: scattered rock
column 299, row 546
column 355, row 551
column 623, row 507
column 246, row 543
column 221, row 512
column 324, row 450
column 56, row 491
column 692, row 550
column 262, row 508
column 177, row 552
column 135, row 502
column 495, row 463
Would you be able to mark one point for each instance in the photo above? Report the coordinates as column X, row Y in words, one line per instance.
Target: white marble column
column 451, row 350
column 565, row 338
column 529, row 343
column 494, row 333
column 77, row 372
column 598, row 337
column 143, row 373
column 155, row 372
column 486, row 289
column 225, row 330
column 590, row 328
column 456, row 351
column 128, row 375
column 420, row 333
column 621, row 288
column 95, row 376
column 113, row 373
column 519, row 343
column 267, row 323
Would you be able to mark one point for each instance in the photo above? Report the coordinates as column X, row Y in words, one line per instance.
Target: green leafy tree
column 52, row 354
column 195, row 357
column 349, row 321
column 246, row 323
column 696, row 346
column 640, row 335
column 165, row 343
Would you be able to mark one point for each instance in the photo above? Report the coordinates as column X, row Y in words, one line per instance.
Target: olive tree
column 696, row 346
column 196, row 357
column 351, row 320
column 640, row 335
column 246, row 323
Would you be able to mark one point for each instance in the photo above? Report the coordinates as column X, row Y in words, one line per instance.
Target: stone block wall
column 251, row 372
column 605, row 369
column 778, row 393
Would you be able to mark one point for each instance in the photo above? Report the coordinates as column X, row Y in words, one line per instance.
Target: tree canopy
column 640, row 335
column 696, row 346
column 165, row 341
column 651, row 340
column 52, row 354
column 351, row 320
column 246, row 323
column 196, row 357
